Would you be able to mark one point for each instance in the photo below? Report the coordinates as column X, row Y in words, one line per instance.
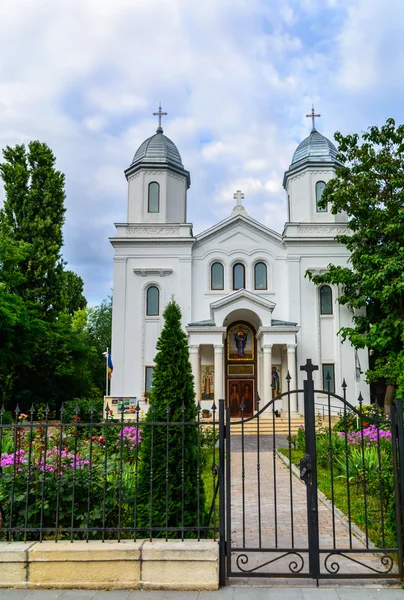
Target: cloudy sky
column 237, row 78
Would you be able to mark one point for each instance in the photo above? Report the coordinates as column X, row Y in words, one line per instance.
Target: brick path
column 290, row 531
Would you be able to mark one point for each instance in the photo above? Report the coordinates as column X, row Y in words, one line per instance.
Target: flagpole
column 106, row 372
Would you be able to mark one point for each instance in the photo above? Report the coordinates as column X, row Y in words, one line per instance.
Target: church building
column 250, row 313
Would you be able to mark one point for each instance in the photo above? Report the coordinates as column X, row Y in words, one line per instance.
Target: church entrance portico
column 243, row 358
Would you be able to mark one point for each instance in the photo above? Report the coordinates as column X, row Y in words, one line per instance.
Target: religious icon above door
column 240, row 343
column 207, row 382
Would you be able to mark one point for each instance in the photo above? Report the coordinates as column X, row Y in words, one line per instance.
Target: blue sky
column 237, row 78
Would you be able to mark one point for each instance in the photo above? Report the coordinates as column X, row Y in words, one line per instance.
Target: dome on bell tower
column 158, row 152
column 157, row 181
column 158, row 149
column 315, row 148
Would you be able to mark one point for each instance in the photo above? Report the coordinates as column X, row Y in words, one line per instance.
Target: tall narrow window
column 148, row 379
column 320, row 185
column 329, row 377
column 260, row 276
column 154, row 197
column 152, row 301
column 238, row 276
column 217, row 276
column 325, row 300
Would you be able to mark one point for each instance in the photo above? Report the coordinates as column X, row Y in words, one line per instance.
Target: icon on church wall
column 276, row 380
column 207, row 382
column 240, row 342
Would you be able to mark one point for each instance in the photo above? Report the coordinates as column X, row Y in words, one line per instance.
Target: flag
column 110, row 365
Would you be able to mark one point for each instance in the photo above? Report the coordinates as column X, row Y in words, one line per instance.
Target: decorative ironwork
column 294, row 566
column 334, row 567
column 266, row 522
column 97, row 460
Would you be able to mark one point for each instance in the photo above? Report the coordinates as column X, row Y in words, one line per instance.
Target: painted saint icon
column 241, row 339
column 276, row 380
column 240, row 342
column 207, row 382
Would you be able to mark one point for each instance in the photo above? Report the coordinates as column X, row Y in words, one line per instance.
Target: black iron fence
column 102, row 478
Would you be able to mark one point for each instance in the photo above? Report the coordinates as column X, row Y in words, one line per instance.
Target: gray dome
column 315, row 148
column 158, row 149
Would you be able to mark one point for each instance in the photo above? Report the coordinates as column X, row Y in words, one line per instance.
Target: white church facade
column 250, row 313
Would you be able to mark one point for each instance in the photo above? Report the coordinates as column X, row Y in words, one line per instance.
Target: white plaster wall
column 318, row 337
column 176, row 204
column 172, row 197
column 238, row 244
column 301, row 188
column 135, row 334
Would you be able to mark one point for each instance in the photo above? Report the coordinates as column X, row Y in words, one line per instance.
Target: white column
column 194, row 358
column 218, row 372
column 267, row 374
column 292, row 373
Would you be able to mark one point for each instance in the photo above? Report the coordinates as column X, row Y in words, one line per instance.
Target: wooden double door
column 239, row 391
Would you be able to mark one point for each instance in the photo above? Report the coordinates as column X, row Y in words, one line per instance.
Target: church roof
column 158, row 149
column 315, row 148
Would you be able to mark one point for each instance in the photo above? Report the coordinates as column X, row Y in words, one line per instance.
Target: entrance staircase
column 267, row 425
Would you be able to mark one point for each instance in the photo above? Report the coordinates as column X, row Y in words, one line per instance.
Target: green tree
column 172, row 398
column 72, row 298
column 44, row 358
column 34, row 211
column 99, row 328
column 369, row 187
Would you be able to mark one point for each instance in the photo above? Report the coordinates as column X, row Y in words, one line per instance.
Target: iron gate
column 274, row 524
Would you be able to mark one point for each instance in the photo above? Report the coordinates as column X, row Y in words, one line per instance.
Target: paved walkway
column 228, row 593
column 284, row 524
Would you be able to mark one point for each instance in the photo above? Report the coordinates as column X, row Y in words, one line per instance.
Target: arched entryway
column 241, row 367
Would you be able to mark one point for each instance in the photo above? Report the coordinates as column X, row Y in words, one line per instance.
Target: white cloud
column 235, row 76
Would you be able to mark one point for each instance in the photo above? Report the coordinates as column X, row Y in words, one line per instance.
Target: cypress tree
column 173, row 399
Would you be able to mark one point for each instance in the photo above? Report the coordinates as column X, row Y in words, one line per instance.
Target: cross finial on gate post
column 309, row 368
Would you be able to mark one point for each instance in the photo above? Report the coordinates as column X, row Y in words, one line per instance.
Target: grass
column 356, row 502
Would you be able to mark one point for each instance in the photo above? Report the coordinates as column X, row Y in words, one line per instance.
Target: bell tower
column 314, row 163
column 157, row 181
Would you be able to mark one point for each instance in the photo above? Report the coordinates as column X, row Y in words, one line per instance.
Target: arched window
column 154, row 197
column 325, row 300
column 260, row 276
column 320, row 185
column 152, row 301
column 238, row 276
column 217, row 276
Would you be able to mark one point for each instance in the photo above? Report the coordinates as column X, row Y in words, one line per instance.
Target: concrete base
column 160, row 565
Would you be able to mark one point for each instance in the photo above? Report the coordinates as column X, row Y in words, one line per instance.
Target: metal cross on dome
column 313, row 116
column 159, row 114
column 239, row 196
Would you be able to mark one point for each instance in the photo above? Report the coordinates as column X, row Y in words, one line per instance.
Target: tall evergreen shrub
column 172, row 397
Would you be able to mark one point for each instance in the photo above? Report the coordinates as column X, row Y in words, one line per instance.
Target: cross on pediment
column 159, row 114
column 238, row 196
column 309, row 368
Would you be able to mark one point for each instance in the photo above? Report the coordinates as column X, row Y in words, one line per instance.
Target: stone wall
column 171, row 565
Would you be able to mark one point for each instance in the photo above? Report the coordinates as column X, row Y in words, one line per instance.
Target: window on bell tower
column 320, row 185
column 154, row 197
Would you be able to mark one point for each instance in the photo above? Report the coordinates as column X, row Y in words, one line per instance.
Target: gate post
column 222, row 504
column 400, row 437
column 311, row 485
